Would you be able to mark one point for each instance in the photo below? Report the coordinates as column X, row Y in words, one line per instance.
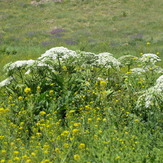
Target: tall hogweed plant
column 60, row 79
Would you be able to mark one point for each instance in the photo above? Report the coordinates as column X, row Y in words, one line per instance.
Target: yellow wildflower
column 102, row 83
column 20, row 98
column 16, row 158
column 71, row 111
column 64, row 68
column 51, row 92
column 27, row 90
column 118, row 157
column 57, row 150
column 38, row 89
column 76, row 157
column 77, row 124
column 100, row 131
column 66, row 145
column 81, row 146
column 42, row 113
column 3, row 152
column 65, row 133
column 136, row 120
column 46, row 161
column 74, row 131
column 16, row 152
column 33, row 154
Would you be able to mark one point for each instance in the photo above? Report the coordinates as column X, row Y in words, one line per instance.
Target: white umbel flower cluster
column 138, row 71
column 18, row 64
column 159, row 70
column 57, row 52
column 86, row 53
column 159, row 84
column 87, row 58
column 150, row 58
column 6, row 82
column 152, row 95
column 38, row 65
column 107, row 60
column 149, row 99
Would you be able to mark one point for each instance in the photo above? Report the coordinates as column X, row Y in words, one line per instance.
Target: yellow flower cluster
column 27, row 90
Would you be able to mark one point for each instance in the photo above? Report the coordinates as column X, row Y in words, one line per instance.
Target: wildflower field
column 81, row 81
column 77, row 106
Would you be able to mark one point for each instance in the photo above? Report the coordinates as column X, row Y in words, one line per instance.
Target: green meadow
column 62, row 99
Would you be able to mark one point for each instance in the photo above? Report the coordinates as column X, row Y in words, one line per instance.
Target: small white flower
column 148, row 100
column 108, row 60
column 159, row 80
column 159, row 70
column 85, row 53
column 38, row 64
column 6, row 82
column 138, row 71
column 159, row 84
column 87, row 58
column 152, row 95
column 150, row 58
column 105, row 54
column 18, row 64
column 154, row 68
column 57, row 52
column 28, row 72
column 48, row 56
column 101, row 79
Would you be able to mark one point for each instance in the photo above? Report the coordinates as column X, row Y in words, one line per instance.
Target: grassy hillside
column 119, row 27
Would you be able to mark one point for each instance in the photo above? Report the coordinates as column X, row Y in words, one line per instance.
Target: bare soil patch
column 38, row 2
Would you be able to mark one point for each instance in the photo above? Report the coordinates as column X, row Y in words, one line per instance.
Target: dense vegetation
column 69, row 106
column 77, row 106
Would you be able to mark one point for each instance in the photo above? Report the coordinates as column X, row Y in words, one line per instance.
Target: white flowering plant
column 108, row 61
column 61, row 76
column 68, row 100
column 149, row 60
column 150, row 102
column 142, row 76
